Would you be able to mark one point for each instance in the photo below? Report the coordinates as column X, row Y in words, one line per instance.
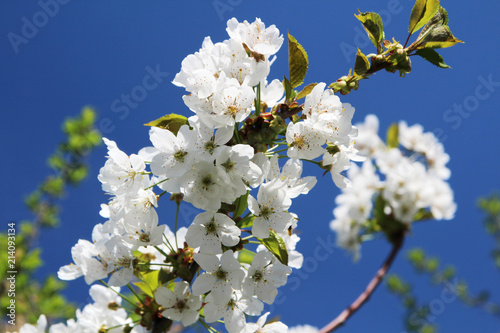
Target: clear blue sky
column 92, row 52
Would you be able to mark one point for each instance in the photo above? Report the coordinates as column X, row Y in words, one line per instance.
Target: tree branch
column 370, row 288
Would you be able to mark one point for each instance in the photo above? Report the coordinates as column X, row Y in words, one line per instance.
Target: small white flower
column 271, row 93
column 40, row 327
column 233, row 310
column 261, row 327
column 179, row 305
column 174, row 152
column 264, row 276
column 303, row 329
column 368, row 142
column 220, row 277
column 121, row 174
column 236, row 162
column 270, row 210
column 205, row 186
column 304, row 142
column 209, row 230
column 255, row 35
column 232, row 102
column 209, row 143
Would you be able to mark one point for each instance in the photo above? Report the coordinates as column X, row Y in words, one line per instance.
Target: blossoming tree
column 239, row 159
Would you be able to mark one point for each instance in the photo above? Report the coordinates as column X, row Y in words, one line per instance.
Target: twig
column 344, row 315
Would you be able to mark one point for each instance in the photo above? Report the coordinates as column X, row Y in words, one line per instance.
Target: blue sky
column 95, row 52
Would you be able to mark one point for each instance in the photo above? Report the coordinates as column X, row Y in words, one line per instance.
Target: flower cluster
column 213, row 160
column 225, row 161
column 104, row 315
column 402, row 182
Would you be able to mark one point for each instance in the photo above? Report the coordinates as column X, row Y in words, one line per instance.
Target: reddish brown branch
column 344, row 315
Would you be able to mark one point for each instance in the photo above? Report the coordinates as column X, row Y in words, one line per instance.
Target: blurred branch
column 70, row 164
column 370, row 288
column 491, row 207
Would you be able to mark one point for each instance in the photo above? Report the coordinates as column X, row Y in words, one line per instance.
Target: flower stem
column 176, row 219
column 209, row 328
column 161, row 181
column 135, row 294
column 257, row 100
column 116, row 292
column 370, row 288
column 237, row 136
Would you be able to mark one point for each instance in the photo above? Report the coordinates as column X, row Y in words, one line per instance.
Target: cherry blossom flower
column 209, row 230
column 221, row 276
column 270, row 210
column 232, row 310
column 179, row 305
column 264, row 276
column 261, row 327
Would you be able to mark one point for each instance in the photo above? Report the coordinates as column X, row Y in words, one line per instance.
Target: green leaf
column 362, row 65
column 288, row 89
column 306, row 91
column 31, row 260
column 149, row 282
column 241, row 205
column 298, row 62
column 54, row 186
column 433, row 57
column 438, row 38
column 276, row 245
column 171, row 122
column 392, row 136
column 247, row 222
column 144, row 287
column 436, row 33
column 422, row 12
column 245, row 256
column 372, row 22
column 416, row 256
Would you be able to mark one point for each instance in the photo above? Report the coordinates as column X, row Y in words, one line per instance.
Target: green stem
column 119, row 294
column 176, row 219
column 208, row 327
column 237, row 136
column 163, row 252
column 280, row 151
column 257, row 100
column 135, row 294
column 161, row 181
column 407, row 40
column 167, row 243
column 245, row 219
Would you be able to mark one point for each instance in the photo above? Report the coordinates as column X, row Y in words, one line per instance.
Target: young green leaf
column 362, row 65
column 439, row 37
column 241, row 205
column 298, row 62
column 245, row 256
column 372, row 22
column 276, row 245
column 288, row 89
column 422, row 12
column 306, row 91
column 144, row 287
column 392, row 136
column 436, row 33
column 149, row 282
column 433, row 57
column 171, row 122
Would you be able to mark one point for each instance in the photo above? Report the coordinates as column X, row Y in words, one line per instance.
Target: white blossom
column 221, row 276
column 179, row 305
column 209, row 230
